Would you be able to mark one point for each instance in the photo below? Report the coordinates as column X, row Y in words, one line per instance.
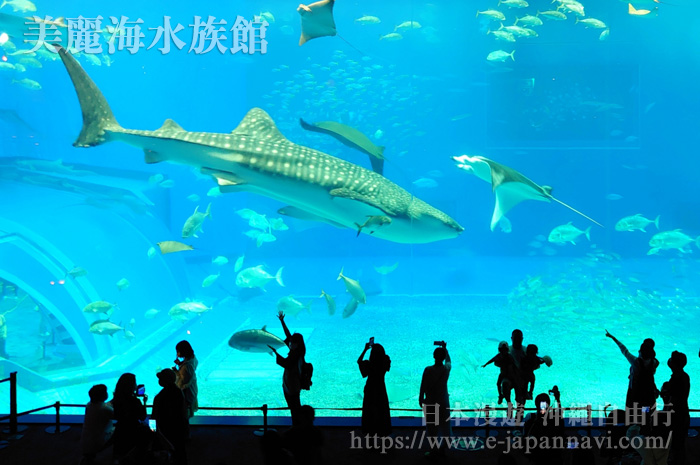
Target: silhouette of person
column 376, row 417
column 545, row 425
column 642, row 391
column 304, row 440
column 170, row 414
column 675, row 393
column 528, row 365
column 505, row 362
column 434, row 398
column 129, row 413
column 186, row 378
column 97, row 423
column 518, row 353
column 291, row 378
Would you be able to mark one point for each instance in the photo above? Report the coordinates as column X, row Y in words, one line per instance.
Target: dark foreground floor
column 229, row 445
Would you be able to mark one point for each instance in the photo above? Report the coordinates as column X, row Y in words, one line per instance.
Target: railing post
column 589, row 419
column 264, row 410
column 57, row 428
column 13, row 403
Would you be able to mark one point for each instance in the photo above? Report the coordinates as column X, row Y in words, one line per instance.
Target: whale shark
column 257, row 158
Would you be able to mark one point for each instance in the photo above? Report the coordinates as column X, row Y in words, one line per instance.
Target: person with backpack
column 293, row 364
column 641, row 392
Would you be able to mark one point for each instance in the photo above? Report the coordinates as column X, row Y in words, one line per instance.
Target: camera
column 371, row 341
column 543, row 405
column 439, row 343
column 140, row 390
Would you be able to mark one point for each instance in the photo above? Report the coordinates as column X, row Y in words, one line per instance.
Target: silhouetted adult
column 186, row 378
column 130, row 412
column 434, row 398
column 376, row 417
column 97, row 424
column 642, row 391
column 304, row 440
column 675, row 393
column 545, row 426
column 291, row 378
column 170, row 414
column 517, row 351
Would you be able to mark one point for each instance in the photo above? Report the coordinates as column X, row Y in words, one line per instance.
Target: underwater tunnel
column 62, row 247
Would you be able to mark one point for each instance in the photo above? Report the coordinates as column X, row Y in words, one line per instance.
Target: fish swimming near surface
column 257, row 158
column 76, row 272
column 104, row 328
column 122, row 284
column 635, row 222
column 257, row 277
column 373, row 223
column 316, row 20
column 354, row 288
column 330, row 301
column 209, row 280
column 291, row 306
column 567, row 233
column 255, row 340
column 99, row 306
column 667, row 240
column 350, row 308
column 509, row 186
column 350, row 137
column 193, row 225
column 386, row 269
column 172, row 247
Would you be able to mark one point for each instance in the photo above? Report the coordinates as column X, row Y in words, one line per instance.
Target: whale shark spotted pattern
column 257, row 158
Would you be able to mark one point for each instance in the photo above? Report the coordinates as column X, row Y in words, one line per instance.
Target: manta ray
column 509, row 186
column 316, row 20
column 350, row 137
column 257, row 158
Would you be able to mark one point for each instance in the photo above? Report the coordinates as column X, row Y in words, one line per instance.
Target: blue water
column 610, row 125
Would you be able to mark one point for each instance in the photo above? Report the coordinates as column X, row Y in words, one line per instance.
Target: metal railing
column 487, row 411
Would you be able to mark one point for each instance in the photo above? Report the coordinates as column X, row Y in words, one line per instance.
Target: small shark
column 510, row 187
column 257, row 158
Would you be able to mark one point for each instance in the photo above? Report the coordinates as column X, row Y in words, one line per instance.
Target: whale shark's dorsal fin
column 170, row 125
column 257, row 123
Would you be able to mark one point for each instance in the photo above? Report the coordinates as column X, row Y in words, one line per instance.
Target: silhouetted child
column 529, row 364
column 97, row 425
column 506, row 363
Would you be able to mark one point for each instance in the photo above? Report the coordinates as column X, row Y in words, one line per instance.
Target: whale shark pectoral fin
column 228, row 182
column 347, row 194
column 151, row 156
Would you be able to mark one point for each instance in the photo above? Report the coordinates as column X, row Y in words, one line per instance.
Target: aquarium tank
column 412, row 172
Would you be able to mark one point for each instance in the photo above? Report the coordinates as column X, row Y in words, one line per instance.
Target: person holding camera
column 130, row 413
column 186, row 379
column 376, row 417
column 545, row 425
column 434, row 398
column 291, row 378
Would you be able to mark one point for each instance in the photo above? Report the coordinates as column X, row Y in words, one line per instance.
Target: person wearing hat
column 675, row 393
column 170, row 414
